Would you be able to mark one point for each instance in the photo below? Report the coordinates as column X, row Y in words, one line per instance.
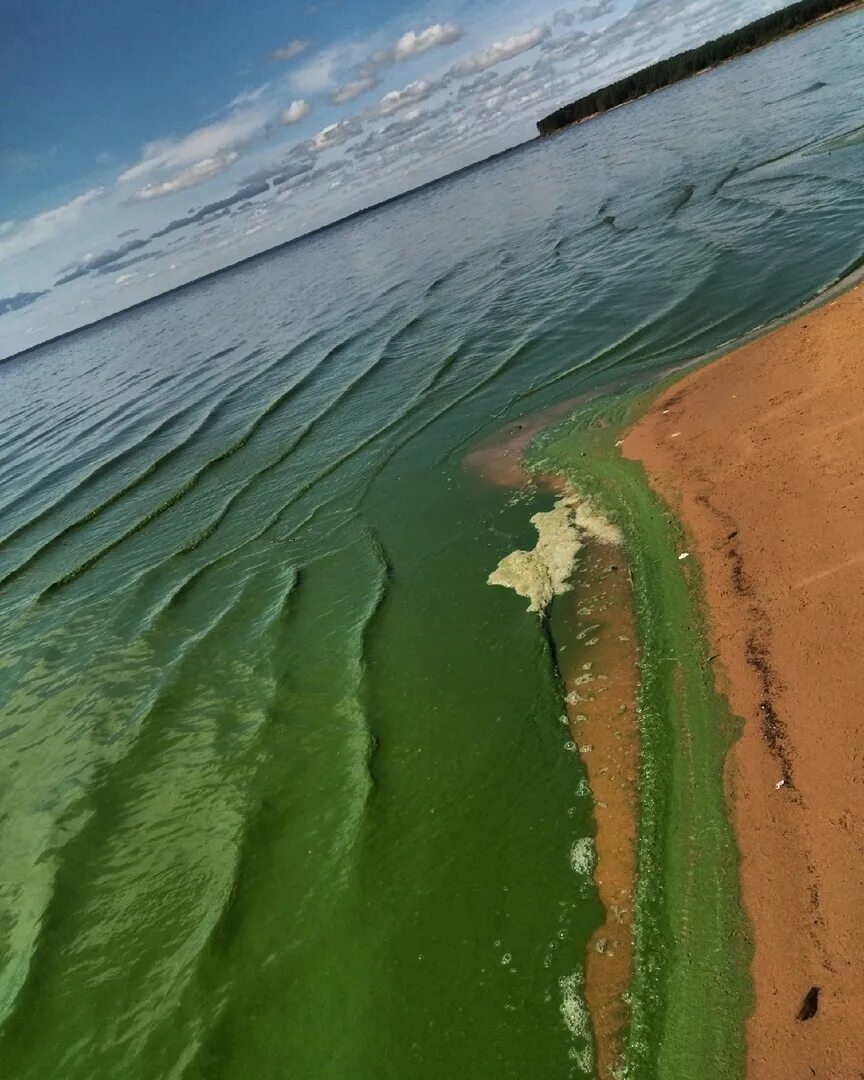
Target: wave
column 458, row 400
column 130, row 450
column 451, row 273
column 385, row 354
column 95, row 474
column 261, row 825
column 370, row 617
column 852, row 137
column 724, row 179
column 195, row 577
column 222, row 352
column 811, row 89
column 85, row 822
column 612, row 222
column 189, row 485
column 196, row 541
column 438, row 374
column 599, row 361
column 682, row 199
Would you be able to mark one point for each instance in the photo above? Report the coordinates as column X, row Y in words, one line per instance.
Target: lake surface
column 284, row 787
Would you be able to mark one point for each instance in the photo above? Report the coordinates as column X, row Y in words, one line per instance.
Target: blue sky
column 145, row 144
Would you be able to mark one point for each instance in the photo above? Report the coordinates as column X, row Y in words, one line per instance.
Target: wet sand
column 498, row 459
column 595, row 639
column 597, row 658
column 761, row 453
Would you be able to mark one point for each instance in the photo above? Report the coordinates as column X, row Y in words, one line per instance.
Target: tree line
column 682, row 65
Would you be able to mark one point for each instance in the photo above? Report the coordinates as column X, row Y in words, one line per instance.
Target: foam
column 544, row 572
column 583, row 856
column 577, row 1021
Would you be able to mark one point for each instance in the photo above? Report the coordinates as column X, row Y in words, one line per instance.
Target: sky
column 143, row 145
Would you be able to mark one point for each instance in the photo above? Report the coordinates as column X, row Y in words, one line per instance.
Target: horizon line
column 408, row 193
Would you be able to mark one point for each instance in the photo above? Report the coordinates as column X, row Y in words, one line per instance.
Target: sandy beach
column 760, row 453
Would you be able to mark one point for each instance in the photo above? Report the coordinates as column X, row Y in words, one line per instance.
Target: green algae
column 691, row 991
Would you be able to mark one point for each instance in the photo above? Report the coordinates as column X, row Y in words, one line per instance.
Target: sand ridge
column 762, row 455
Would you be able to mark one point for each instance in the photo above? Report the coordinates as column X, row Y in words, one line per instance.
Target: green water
column 284, row 789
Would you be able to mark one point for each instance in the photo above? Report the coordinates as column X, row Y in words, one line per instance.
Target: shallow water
column 284, row 788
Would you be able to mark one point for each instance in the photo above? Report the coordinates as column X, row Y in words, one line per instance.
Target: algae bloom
column 544, row 572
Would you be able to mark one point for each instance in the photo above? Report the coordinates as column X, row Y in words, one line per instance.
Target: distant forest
column 681, row 66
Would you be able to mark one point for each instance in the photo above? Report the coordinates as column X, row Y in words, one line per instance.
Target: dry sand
column 762, row 455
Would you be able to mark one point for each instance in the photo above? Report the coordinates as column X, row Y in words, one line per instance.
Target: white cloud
column 412, row 44
column 296, row 111
column 289, row 51
column 365, row 73
column 314, row 77
column 335, row 135
column 353, row 90
column 248, row 97
column 499, row 51
column 189, row 177
column 16, row 238
column 210, row 142
column 408, row 95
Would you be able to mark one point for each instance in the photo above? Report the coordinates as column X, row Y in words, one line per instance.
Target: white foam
column 577, row 1021
column 583, row 856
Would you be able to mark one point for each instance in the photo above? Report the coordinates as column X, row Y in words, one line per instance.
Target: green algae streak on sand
column 284, row 786
column 691, row 991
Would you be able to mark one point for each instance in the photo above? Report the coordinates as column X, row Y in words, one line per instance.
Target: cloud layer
column 290, row 51
column 17, row 239
column 335, row 134
column 210, row 141
column 19, row 300
column 392, row 111
column 187, row 178
column 433, row 37
column 500, row 51
column 409, row 95
column 411, row 44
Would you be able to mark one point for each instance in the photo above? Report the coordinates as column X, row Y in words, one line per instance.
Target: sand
column 597, row 658
column 761, row 453
column 499, row 458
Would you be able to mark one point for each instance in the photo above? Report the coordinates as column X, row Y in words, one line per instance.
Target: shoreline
column 553, row 124
column 685, row 935
column 758, row 453
column 591, row 628
column 690, row 994
column 745, row 458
